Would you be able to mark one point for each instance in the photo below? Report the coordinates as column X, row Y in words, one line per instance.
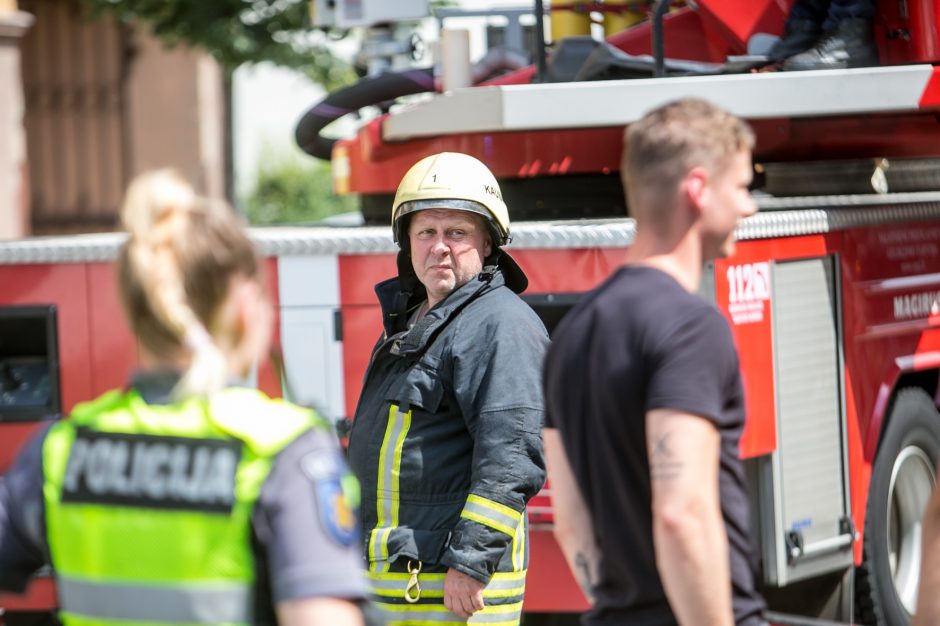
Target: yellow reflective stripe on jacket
column 378, row 549
column 216, row 602
column 518, row 546
column 493, row 514
column 502, row 597
column 438, row 614
column 387, row 487
column 392, row 584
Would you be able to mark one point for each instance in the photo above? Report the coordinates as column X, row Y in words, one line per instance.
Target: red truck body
column 834, row 300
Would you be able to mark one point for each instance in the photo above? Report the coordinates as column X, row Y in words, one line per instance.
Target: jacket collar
column 398, row 305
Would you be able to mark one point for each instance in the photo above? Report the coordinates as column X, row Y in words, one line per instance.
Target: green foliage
column 239, row 31
column 243, row 31
column 291, row 189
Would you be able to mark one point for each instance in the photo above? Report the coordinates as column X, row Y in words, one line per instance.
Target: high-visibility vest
column 148, row 507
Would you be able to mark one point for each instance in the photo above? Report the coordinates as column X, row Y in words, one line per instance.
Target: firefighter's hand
column 463, row 595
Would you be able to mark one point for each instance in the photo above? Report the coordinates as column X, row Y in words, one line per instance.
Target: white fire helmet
column 451, row 180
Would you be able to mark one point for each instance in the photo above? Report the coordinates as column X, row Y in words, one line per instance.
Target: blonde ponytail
column 207, row 371
column 175, row 270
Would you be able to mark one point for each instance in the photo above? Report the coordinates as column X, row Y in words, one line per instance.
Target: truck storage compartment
column 803, row 497
column 29, row 364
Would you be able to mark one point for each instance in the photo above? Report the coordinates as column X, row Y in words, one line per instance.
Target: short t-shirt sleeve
column 550, row 374
column 694, row 367
column 549, row 422
column 307, row 522
column 23, row 547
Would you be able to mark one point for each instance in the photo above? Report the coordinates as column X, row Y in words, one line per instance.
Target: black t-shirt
column 636, row 343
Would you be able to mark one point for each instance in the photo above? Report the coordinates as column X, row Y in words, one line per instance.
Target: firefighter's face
column 727, row 201
column 447, row 249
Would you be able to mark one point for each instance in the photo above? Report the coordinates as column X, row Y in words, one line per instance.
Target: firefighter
column 186, row 497
column 644, row 400
column 445, row 439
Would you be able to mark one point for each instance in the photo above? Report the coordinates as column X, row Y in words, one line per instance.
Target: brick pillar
column 14, row 197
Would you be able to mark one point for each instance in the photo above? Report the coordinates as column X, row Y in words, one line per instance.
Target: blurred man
column 644, row 402
column 928, row 600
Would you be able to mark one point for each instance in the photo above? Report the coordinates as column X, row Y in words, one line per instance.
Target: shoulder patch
column 337, row 494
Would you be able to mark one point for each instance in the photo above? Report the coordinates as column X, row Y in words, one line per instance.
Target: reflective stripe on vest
column 387, row 487
column 493, row 514
column 194, row 604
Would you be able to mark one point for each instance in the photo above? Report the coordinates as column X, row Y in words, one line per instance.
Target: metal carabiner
column 413, row 588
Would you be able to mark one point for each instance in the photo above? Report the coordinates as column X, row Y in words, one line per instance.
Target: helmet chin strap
column 493, row 259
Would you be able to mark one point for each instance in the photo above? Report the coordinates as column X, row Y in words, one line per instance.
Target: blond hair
column 662, row 147
column 175, row 271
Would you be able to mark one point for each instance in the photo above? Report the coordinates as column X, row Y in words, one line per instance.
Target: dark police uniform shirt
column 641, row 342
column 299, row 549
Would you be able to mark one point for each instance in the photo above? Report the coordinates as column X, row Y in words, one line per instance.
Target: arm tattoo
column 583, row 574
column 663, row 462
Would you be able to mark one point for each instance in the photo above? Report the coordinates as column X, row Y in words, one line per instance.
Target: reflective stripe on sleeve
column 194, row 603
column 493, row 514
column 386, row 491
column 518, row 546
column 378, row 549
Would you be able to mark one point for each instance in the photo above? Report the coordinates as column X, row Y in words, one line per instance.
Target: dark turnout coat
column 446, row 440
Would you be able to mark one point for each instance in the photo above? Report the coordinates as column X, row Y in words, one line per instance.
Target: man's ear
column 487, row 247
column 695, row 187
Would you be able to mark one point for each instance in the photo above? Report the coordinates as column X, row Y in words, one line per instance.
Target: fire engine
column 833, row 293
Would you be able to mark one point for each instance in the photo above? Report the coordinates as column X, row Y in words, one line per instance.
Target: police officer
column 183, row 498
column 446, row 435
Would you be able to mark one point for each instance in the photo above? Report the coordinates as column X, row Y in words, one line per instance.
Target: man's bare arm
column 928, row 601
column 573, row 529
column 689, row 535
